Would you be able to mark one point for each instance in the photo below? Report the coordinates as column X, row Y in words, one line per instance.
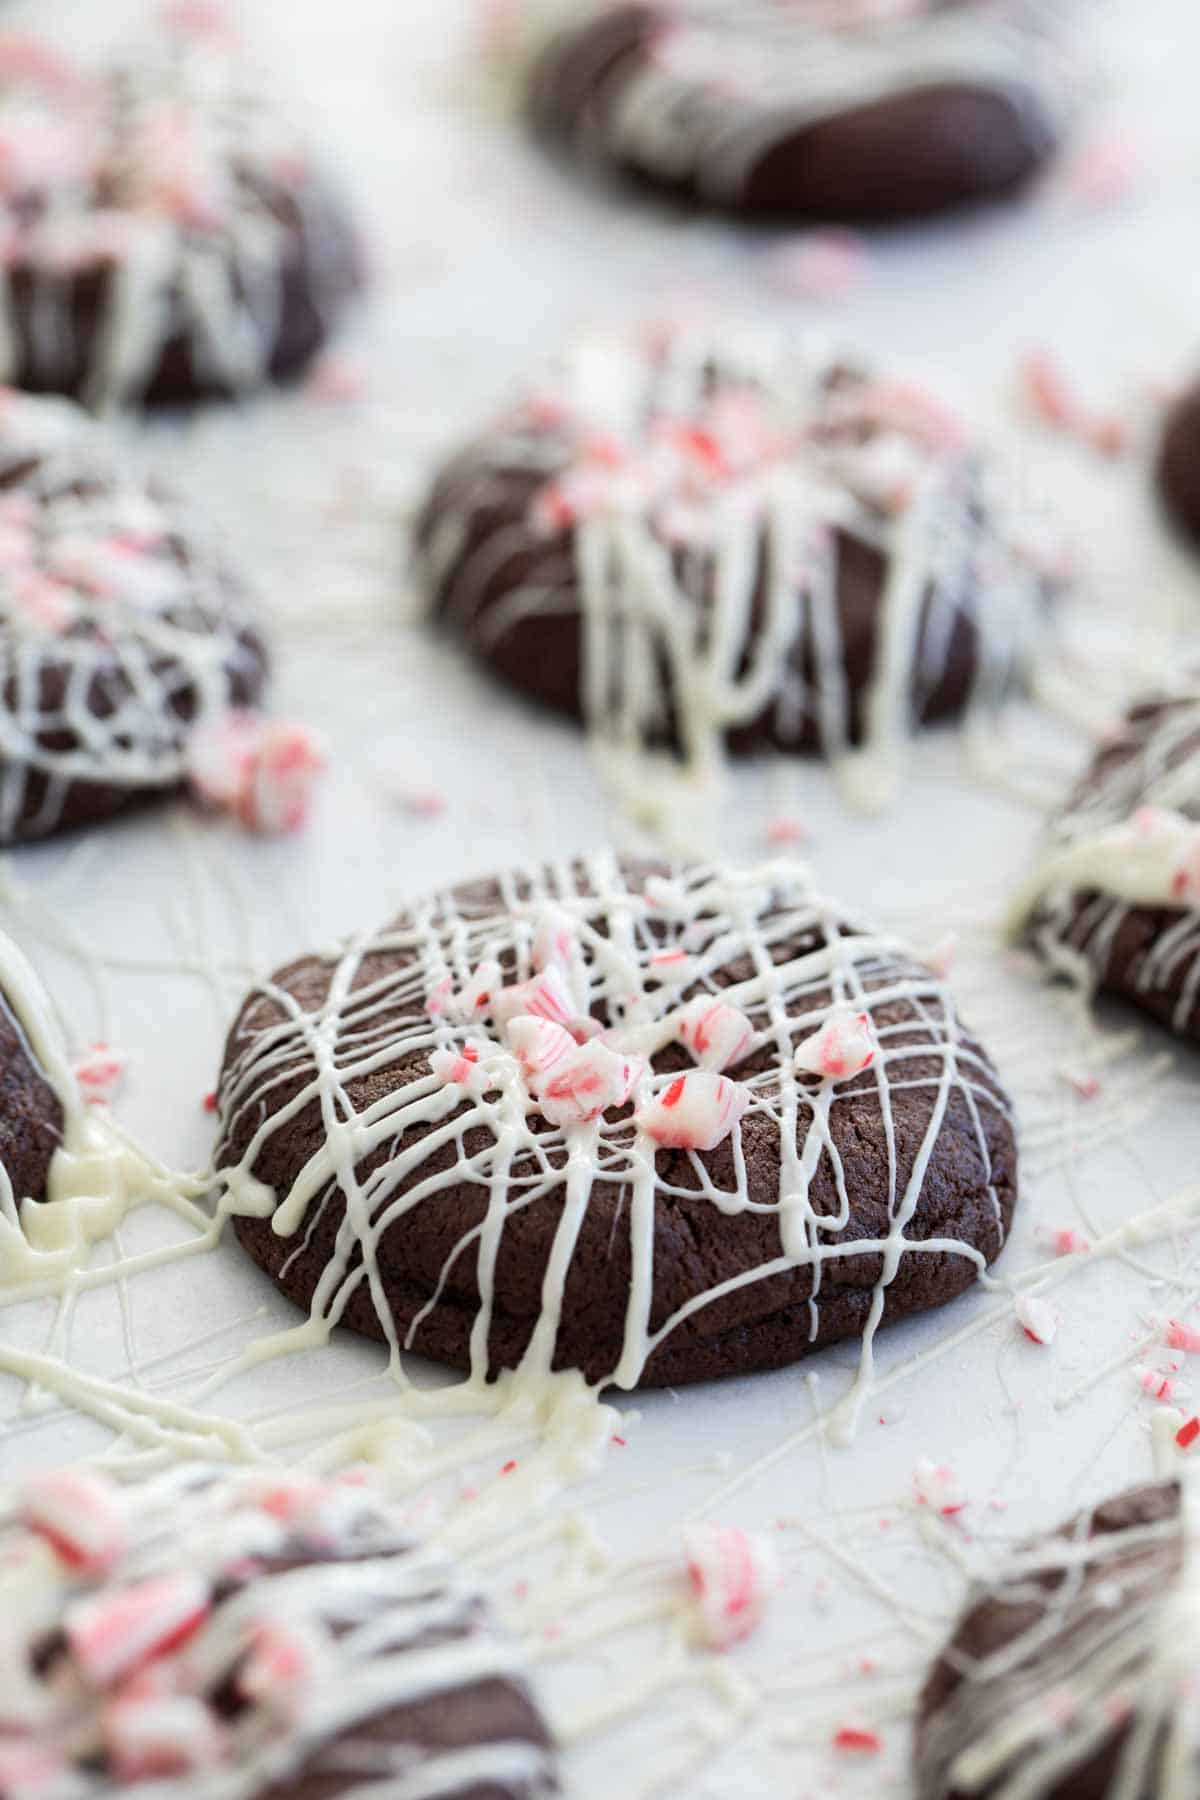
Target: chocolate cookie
column 1114, row 901
column 691, row 538
column 655, row 1127
column 1179, row 463
column 122, row 630
column 167, row 237
column 255, row 1635
column 1071, row 1677
column 31, row 1114
column 809, row 113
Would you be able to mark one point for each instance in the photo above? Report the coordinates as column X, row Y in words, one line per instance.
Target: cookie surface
column 1179, row 463
column 1114, row 900
column 556, row 1122
column 31, row 1116
column 122, row 630
column 1070, row 1677
column 168, row 237
column 255, row 1634
column 693, row 537
column 818, row 113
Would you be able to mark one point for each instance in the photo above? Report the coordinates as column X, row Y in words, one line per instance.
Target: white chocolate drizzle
column 637, row 952
column 695, row 499
column 121, row 628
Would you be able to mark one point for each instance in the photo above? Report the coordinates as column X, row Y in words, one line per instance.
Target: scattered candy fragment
column 819, row 265
column 261, row 771
column 1086, row 1086
column 937, row 1486
column 694, row 1112
column 553, row 938
column 29, row 1769
column 1156, row 1383
column 1187, row 1434
column 1063, row 1240
column 1178, row 1336
column 538, row 1045
column 733, row 1575
column 845, row 1045
column 79, row 1513
column 1103, row 169
column 478, row 996
column 593, row 1079
column 1037, row 1318
column 717, row 1034
column 857, row 1739
column 941, row 958
column 100, row 1072
column 421, row 803
column 1050, row 398
column 784, row 831
column 544, row 996
column 111, row 1634
column 282, row 1666
column 461, row 1067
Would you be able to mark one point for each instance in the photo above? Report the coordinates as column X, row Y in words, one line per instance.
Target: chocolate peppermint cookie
column 1114, row 901
column 167, row 234
column 692, row 537
column 810, row 112
column 1179, row 463
column 1070, row 1677
column 31, row 1113
column 655, row 1126
column 123, row 631
column 254, row 1635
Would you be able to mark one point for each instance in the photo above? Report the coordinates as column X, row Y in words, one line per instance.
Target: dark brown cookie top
column 1179, row 462
column 1071, row 1676
column 1115, row 895
column 122, row 628
column 809, row 112
column 654, row 1126
column 167, row 235
column 256, row 1634
column 31, row 1116
column 693, row 536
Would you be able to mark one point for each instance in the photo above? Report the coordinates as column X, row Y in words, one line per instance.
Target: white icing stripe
column 190, row 194
column 718, row 83
column 699, row 494
column 634, row 954
column 320, row 1654
column 121, row 630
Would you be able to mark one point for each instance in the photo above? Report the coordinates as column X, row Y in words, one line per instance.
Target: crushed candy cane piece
column 819, row 265
column 1037, row 1318
column 283, row 1665
column 553, row 937
column 440, row 997
column 695, row 1111
column 858, row 1739
column 717, row 1034
column 1187, row 1434
column 1156, row 1383
column 538, row 1045
column 1047, row 392
column 1178, row 1336
column 79, row 1513
column 1103, row 169
column 29, row 1769
column 100, row 1072
column 733, row 1575
column 845, row 1045
column 593, row 1079
column 1063, row 1240
column 261, row 771
column 937, row 1486
column 479, row 995
column 147, row 1739
column 783, row 831
column 463, row 1067
column 111, row 1634
column 1085, row 1085
column 544, row 996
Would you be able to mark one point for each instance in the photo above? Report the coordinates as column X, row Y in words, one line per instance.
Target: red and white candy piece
column 100, row 1072
column 463, row 1067
column 937, row 1486
column 694, row 1112
column 261, row 771
column 591, row 1081
column 1037, row 1318
column 539, row 1046
column 283, row 1666
column 717, row 1034
column 150, row 1738
column 553, row 937
column 845, row 1045
column 818, row 265
column 478, row 996
column 111, row 1634
column 80, row 1514
column 1178, row 1336
column 544, row 996
column 733, row 1575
